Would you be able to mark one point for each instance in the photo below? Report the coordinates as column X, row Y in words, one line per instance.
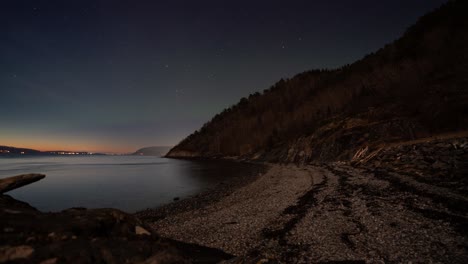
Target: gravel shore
column 235, row 223
column 328, row 212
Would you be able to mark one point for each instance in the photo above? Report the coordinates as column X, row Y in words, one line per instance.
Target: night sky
column 115, row 76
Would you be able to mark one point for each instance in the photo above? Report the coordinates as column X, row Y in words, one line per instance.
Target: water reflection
column 129, row 183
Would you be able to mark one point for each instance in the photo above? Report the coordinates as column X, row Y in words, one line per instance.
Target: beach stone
column 438, row 165
column 141, row 231
column 164, row 258
column 49, row 261
column 13, row 253
column 11, row 211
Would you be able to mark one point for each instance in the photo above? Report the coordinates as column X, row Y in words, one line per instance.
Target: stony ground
column 88, row 236
column 236, row 222
column 381, row 210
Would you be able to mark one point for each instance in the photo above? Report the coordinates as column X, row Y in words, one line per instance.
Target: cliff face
column 415, row 87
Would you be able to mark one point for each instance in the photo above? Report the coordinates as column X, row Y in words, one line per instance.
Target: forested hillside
column 415, row 87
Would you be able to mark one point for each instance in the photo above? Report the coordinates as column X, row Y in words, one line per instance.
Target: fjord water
column 129, row 183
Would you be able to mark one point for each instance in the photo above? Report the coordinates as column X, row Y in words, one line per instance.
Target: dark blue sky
column 119, row 75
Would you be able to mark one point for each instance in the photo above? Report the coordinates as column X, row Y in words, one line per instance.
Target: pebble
column 141, row 231
column 8, row 253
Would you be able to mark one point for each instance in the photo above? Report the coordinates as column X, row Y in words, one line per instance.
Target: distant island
column 152, row 151
column 13, row 151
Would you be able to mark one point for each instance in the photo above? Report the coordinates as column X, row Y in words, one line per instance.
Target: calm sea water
column 129, row 183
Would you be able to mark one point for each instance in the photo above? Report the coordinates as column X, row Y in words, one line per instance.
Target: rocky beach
column 379, row 208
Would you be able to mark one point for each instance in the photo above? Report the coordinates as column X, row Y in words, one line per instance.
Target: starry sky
column 114, row 76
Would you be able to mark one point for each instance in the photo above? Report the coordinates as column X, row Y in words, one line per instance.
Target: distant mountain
column 413, row 88
column 152, row 151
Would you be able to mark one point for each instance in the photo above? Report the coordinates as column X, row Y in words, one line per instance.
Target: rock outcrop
column 79, row 235
column 11, row 183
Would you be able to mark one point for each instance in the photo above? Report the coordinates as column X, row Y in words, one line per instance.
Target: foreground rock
column 88, row 236
column 15, row 182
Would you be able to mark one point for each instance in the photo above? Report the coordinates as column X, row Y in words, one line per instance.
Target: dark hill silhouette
column 415, row 87
column 8, row 150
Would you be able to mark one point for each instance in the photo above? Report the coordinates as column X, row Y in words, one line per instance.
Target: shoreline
column 239, row 212
column 376, row 211
column 206, row 197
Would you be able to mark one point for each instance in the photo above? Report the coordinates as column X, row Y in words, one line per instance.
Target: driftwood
column 11, row 183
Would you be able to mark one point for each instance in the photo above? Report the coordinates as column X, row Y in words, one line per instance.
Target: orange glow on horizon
column 67, row 146
column 46, row 141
